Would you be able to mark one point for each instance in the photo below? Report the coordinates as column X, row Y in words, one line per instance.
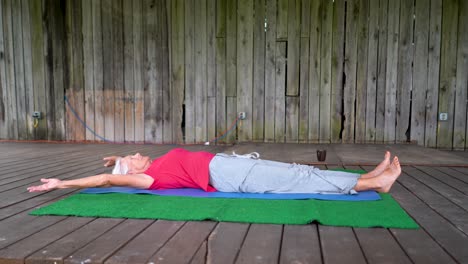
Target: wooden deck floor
column 436, row 197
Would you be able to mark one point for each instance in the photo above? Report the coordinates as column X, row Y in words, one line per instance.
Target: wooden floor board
column 451, row 239
column 454, row 173
column 418, row 244
column 440, row 204
column 261, row 245
column 445, row 190
column 182, row 247
column 300, row 244
column 379, row 246
column 340, row 245
column 445, row 178
column 225, row 242
column 436, row 197
column 147, row 243
column 104, row 246
column 22, row 249
column 68, row 244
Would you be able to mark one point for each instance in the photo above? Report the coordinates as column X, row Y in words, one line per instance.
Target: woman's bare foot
column 380, row 168
column 389, row 176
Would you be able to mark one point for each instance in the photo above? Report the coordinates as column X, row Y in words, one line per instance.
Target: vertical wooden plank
column 129, row 98
column 392, row 71
column 211, row 117
column 325, row 71
column 11, row 105
column 189, row 72
column 337, row 70
column 460, row 128
column 28, row 83
column 177, row 67
column 18, row 64
column 421, row 42
column 76, row 82
column 200, row 71
column 211, row 68
column 280, row 91
column 293, row 48
column 361, row 72
column 292, row 118
column 108, row 84
column 381, row 72
column 314, row 71
column 372, row 64
column 98, row 80
column 3, row 83
column 405, row 74
column 350, row 70
column 432, row 98
column 221, row 19
column 303, row 130
column 231, row 48
column 118, row 70
column 448, row 70
column 68, row 73
column 231, row 114
column 153, row 89
column 270, row 70
column 56, row 77
column 38, row 66
column 245, row 66
column 258, row 112
column 221, row 88
column 282, row 20
column 88, row 67
column 165, row 84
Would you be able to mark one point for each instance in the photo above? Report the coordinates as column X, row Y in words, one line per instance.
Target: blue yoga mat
column 360, row 196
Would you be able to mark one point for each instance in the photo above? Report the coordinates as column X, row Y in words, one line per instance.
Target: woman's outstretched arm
column 141, row 181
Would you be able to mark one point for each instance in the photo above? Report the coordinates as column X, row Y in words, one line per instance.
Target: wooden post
column 338, row 34
column 280, row 91
column 88, row 73
column 177, row 67
column 372, row 64
column 98, row 80
column 325, row 71
column 270, row 70
column 258, row 107
column 420, row 84
column 349, row 93
column 460, row 130
column 405, row 73
column 303, row 130
column 392, row 71
column 433, row 73
column 362, row 35
column 314, row 71
column 245, row 66
column 448, row 70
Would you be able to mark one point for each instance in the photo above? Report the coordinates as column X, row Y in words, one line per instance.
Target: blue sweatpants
column 239, row 174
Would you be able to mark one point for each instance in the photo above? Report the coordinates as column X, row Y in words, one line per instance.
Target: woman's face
column 136, row 163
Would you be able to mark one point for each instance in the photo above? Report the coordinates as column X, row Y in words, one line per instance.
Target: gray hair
column 120, row 168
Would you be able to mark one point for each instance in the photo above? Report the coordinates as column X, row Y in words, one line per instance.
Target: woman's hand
column 49, row 184
column 110, row 161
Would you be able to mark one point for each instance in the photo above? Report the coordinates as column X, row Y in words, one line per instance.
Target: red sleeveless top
column 180, row 168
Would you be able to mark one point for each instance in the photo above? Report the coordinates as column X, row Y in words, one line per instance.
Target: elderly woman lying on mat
column 180, row 168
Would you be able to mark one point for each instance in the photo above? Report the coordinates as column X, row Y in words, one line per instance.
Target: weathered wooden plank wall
column 160, row 71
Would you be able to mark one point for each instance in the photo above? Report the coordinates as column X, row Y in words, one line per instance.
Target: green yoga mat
column 383, row 213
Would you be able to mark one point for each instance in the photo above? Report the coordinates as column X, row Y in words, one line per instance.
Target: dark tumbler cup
column 321, row 154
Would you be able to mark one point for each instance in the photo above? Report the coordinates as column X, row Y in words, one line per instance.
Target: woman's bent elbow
column 105, row 180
